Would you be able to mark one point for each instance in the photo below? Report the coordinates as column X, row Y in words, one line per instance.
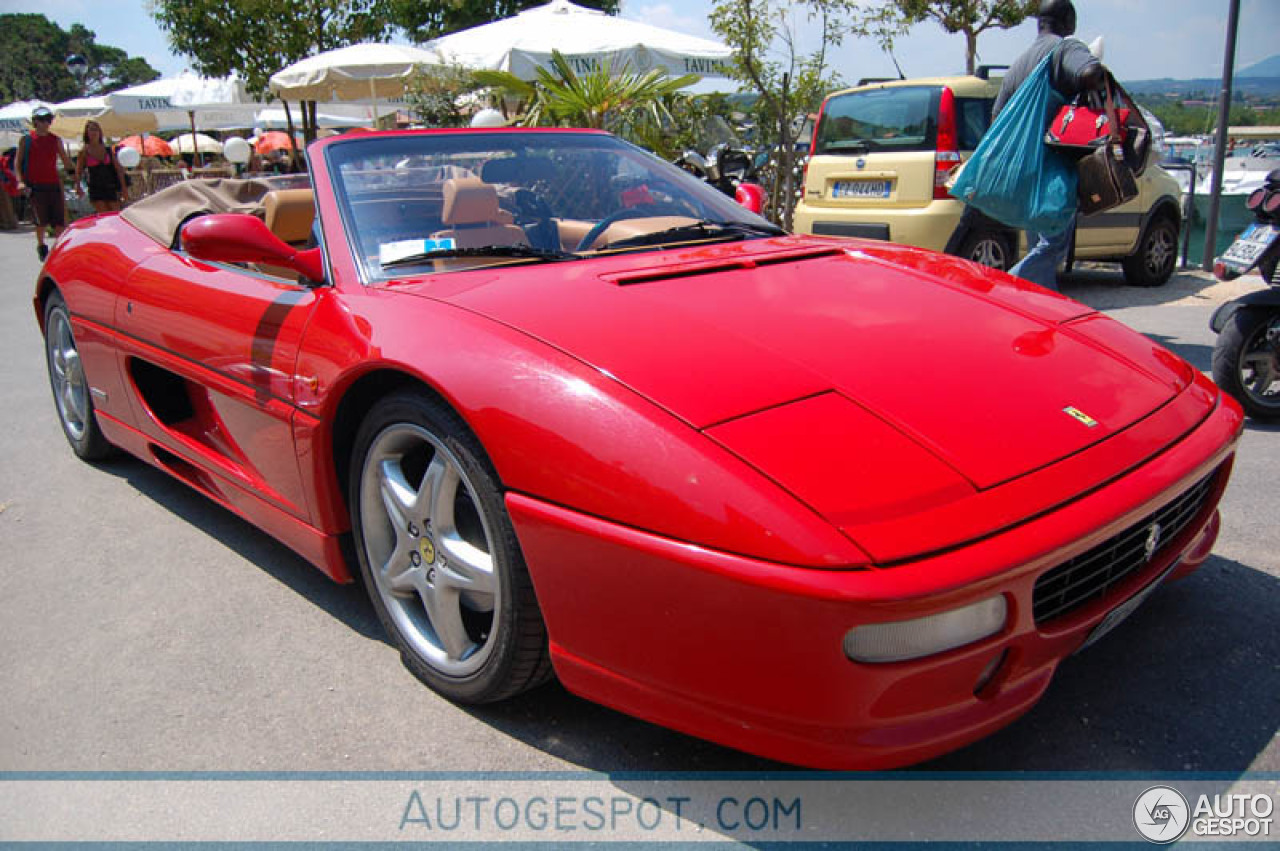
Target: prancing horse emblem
column 1152, row 544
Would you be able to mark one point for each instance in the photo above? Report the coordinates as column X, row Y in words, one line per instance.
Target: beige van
column 882, row 153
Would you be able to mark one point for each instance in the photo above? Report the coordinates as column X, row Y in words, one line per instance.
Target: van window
column 901, row 118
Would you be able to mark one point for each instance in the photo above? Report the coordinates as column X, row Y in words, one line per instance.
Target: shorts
column 47, row 206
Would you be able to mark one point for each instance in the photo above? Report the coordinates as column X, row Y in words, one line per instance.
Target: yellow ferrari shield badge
column 1080, row 415
column 427, row 550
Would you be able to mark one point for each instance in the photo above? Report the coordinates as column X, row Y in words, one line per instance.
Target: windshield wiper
column 517, row 251
column 706, row 230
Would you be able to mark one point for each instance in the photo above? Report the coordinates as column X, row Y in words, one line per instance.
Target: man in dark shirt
column 1072, row 69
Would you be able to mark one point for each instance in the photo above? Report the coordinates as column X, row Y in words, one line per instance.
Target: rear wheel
column 71, row 393
column 1246, row 361
column 988, row 247
column 1151, row 265
column 439, row 556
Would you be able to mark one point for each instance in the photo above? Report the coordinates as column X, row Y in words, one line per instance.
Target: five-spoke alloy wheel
column 439, row 555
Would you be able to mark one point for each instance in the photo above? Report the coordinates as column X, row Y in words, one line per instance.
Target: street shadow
column 1197, row 354
column 1189, row 683
column 1103, row 285
column 347, row 604
column 1250, row 424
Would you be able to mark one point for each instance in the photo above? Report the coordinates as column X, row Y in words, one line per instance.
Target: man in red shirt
column 38, row 156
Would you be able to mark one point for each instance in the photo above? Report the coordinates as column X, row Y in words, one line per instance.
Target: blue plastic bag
column 1013, row 176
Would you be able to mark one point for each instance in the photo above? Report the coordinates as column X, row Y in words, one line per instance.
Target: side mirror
column 751, row 196
column 241, row 238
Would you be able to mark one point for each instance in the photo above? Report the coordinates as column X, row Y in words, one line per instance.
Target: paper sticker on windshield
column 390, row 252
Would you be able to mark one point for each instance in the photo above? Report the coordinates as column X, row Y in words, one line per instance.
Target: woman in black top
column 105, row 176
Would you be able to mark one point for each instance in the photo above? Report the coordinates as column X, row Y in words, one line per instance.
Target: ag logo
column 1161, row 815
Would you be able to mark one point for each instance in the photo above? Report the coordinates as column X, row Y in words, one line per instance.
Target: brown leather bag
column 1109, row 173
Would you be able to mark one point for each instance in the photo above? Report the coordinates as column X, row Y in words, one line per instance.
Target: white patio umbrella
column 372, row 71
column 202, row 143
column 327, row 115
column 210, row 101
column 15, row 120
column 69, row 118
column 587, row 37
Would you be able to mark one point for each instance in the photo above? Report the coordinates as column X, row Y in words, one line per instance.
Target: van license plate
column 860, row 189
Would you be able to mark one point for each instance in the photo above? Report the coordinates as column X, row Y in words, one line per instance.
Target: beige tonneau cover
column 160, row 215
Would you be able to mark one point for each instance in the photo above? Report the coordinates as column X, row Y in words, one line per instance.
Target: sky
column 1144, row 38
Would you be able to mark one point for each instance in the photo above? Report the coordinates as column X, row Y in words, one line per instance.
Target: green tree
column 788, row 87
column 437, row 95
column 427, row 20
column 257, row 38
column 35, row 51
column 887, row 20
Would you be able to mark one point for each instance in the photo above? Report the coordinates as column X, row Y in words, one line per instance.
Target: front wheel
column 1246, row 361
column 1151, row 265
column 439, row 555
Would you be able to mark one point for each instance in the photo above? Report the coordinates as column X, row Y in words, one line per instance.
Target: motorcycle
column 1246, row 357
column 729, row 170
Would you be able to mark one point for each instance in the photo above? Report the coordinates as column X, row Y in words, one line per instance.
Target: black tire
column 72, row 397
column 1151, row 264
column 1244, row 339
column 988, row 247
column 455, row 597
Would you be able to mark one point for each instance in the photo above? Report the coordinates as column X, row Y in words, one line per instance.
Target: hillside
column 1261, row 79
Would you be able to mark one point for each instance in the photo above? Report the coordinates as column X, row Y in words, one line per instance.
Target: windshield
column 895, row 118
column 450, row 201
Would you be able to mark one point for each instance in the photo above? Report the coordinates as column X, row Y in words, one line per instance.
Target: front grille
column 1090, row 575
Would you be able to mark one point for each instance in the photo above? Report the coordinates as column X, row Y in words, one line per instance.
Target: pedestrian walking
column 105, row 176
column 1072, row 70
column 38, row 155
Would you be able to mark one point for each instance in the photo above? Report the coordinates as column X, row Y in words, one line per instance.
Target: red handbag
column 1111, row 162
column 1094, row 118
column 1078, row 125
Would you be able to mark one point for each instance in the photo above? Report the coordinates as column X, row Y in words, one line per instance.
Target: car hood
column 992, row 377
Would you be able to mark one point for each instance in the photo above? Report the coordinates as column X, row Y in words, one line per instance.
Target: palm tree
column 601, row 99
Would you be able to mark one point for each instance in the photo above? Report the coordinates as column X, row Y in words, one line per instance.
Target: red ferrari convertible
column 838, row 503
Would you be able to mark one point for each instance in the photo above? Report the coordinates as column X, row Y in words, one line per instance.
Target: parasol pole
column 293, row 146
column 195, row 143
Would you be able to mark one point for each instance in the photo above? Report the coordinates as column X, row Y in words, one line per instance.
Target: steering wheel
column 640, row 211
column 534, row 215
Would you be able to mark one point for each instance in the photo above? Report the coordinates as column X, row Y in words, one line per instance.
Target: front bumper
column 749, row 653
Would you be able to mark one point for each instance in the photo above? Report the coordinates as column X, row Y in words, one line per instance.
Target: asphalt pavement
column 146, row 629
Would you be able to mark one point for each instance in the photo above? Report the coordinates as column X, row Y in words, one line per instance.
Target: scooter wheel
column 1246, row 361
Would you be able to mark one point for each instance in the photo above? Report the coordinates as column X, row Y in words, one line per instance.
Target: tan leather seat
column 474, row 218
column 289, row 214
